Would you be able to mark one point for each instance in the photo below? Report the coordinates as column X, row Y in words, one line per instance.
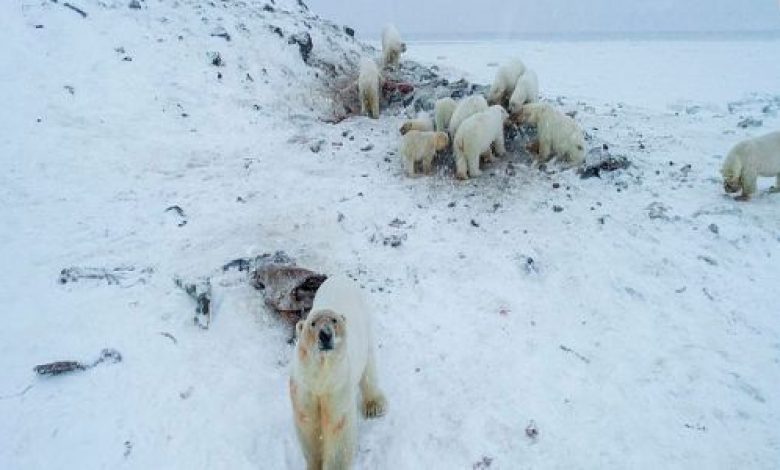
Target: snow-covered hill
column 631, row 318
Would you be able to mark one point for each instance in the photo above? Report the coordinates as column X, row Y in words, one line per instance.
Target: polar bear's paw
column 374, row 405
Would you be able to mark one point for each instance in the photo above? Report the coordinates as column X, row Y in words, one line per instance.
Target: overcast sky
column 440, row 17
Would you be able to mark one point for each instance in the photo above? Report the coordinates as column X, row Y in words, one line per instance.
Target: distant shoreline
column 602, row 36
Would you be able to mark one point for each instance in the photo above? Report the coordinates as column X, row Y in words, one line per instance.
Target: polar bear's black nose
column 326, row 340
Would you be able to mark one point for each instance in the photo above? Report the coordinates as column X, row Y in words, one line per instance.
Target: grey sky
column 450, row 17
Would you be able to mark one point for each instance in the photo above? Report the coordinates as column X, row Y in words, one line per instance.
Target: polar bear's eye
column 333, row 320
column 312, row 324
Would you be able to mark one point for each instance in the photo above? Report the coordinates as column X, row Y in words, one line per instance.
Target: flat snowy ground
column 636, row 324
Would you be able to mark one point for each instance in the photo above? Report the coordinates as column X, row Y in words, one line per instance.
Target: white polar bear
column 466, row 107
column 442, row 113
column 557, row 133
column 421, row 123
column 333, row 364
column 392, row 46
column 368, row 88
column 505, row 81
column 750, row 159
column 474, row 138
column 421, row 146
column 526, row 91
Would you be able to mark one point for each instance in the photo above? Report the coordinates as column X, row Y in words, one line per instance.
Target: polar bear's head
column 322, row 333
column 732, row 172
column 531, row 113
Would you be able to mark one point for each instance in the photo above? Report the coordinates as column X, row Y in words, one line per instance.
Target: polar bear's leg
column 374, row 402
column 473, row 165
column 409, row 165
column 340, row 440
column 373, row 103
column 307, row 426
column 427, row 163
column 461, row 167
column 499, row 144
column 748, row 180
column 545, row 150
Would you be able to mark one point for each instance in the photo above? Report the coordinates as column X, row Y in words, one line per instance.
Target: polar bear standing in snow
column 526, row 91
column 421, row 146
column 442, row 113
column 750, row 159
column 332, row 371
column 505, row 81
column 392, row 46
column 474, row 138
column 466, row 107
column 368, row 88
column 558, row 134
column 421, row 123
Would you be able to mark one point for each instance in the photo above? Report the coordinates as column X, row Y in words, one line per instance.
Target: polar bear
column 750, row 159
column 475, row 137
column 466, row 107
column 442, row 112
column 332, row 371
column 526, row 91
column 558, row 134
column 368, row 88
column 392, row 46
column 421, row 123
column 504, row 83
column 421, row 146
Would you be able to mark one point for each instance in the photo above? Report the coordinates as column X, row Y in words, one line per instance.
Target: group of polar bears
column 474, row 126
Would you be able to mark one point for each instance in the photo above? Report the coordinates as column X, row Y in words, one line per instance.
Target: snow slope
column 643, row 334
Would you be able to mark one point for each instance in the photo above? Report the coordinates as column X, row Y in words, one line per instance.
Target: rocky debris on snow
column 531, row 431
column 750, row 122
column 305, row 44
column 216, row 59
column 657, row 210
column 134, row 5
column 73, row 8
column 349, row 31
column 713, row 228
column 175, row 209
column 123, row 276
column 221, row 32
column 317, row 146
column 575, row 353
column 485, row 462
column 200, row 291
column 606, row 162
column 107, row 355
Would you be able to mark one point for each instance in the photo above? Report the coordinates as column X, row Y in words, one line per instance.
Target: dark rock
column 303, row 39
column 474, row 223
column 557, row 208
column 277, row 30
column 134, row 4
column 750, row 122
column 268, row 8
column 349, row 31
column 714, row 229
column 608, row 164
column 367, row 148
column 216, row 59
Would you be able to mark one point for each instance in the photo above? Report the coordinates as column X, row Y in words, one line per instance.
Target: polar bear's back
column 343, row 296
column 761, row 153
column 466, row 107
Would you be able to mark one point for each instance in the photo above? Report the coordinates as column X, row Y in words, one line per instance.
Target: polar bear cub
column 504, row 83
column 368, row 88
column 750, row 159
column 392, row 46
column 332, row 372
column 421, row 146
column 421, row 123
column 475, row 137
column 558, row 134
column 466, row 107
column 526, row 91
column 442, row 113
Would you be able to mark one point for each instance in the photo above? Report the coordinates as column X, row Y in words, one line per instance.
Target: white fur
column 749, row 159
column 325, row 385
column 368, row 88
column 558, row 134
column 505, row 81
column 474, row 138
column 392, row 46
column 442, row 113
column 466, row 107
column 420, row 123
column 421, row 146
column 526, row 91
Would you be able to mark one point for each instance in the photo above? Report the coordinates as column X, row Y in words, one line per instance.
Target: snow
column 639, row 336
